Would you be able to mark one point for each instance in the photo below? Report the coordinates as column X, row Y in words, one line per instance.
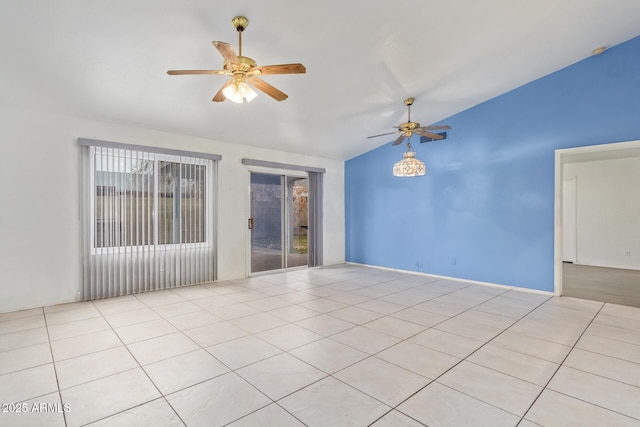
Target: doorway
column 595, row 260
column 278, row 221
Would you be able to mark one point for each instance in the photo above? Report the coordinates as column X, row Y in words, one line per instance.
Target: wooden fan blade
column 226, row 51
column 219, row 97
column 382, row 134
column 399, row 140
column 182, row 72
column 444, row 127
column 280, row 69
column 268, row 89
column 431, row 135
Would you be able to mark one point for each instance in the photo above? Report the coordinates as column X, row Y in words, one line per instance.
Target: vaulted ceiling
column 107, row 60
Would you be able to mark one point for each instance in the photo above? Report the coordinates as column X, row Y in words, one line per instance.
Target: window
column 145, row 199
column 148, row 217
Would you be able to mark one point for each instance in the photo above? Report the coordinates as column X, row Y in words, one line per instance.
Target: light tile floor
column 337, row 346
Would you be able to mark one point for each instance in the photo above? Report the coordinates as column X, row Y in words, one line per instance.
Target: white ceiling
column 108, row 60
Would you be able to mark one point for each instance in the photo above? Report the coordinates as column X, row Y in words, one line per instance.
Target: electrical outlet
column 162, row 266
column 453, row 261
column 627, row 252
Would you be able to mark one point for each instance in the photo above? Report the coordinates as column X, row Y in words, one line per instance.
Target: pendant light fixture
column 409, row 166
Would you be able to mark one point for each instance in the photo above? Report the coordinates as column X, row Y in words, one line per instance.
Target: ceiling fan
column 244, row 71
column 409, row 128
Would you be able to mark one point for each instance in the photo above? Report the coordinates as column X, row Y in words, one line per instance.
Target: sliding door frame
column 284, row 216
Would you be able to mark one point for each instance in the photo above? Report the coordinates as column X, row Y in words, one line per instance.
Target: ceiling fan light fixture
column 409, row 165
column 238, row 91
column 242, row 69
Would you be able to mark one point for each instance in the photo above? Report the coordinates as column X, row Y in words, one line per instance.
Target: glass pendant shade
column 238, row 91
column 409, row 166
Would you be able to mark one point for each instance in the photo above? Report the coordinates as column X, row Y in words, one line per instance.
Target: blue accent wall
column 484, row 210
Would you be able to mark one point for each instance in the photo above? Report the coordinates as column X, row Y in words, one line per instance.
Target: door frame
column 269, row 171
column 563, row 156
column 573, row 181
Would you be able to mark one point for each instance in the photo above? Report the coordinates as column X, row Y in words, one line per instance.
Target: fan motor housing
column 243, row 65
column 409, row 126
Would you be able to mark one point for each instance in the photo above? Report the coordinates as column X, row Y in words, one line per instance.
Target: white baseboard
column 457, row 279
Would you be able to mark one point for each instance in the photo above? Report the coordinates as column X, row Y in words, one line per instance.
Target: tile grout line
column 382, row 316
column 473, row 352
column 101, row 315
column 145, row 373
column 55, row 369
column 327, row 375
column 560, row 364
column 322, row 336
column 386, row 315
column 609, row 357
column 619, row 340
column 401, row 340
column 209, row 379
column 231, row 370
column 594, row 404
column 407, row 340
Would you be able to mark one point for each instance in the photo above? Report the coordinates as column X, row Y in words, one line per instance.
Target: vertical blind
column 148, row 218
column 315, row 219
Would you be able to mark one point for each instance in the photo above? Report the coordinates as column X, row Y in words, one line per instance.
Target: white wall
column 608, row 212
column 40, row 261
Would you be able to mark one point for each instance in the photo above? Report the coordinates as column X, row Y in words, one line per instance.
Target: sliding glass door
column 278, row 221
column 266, row 222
